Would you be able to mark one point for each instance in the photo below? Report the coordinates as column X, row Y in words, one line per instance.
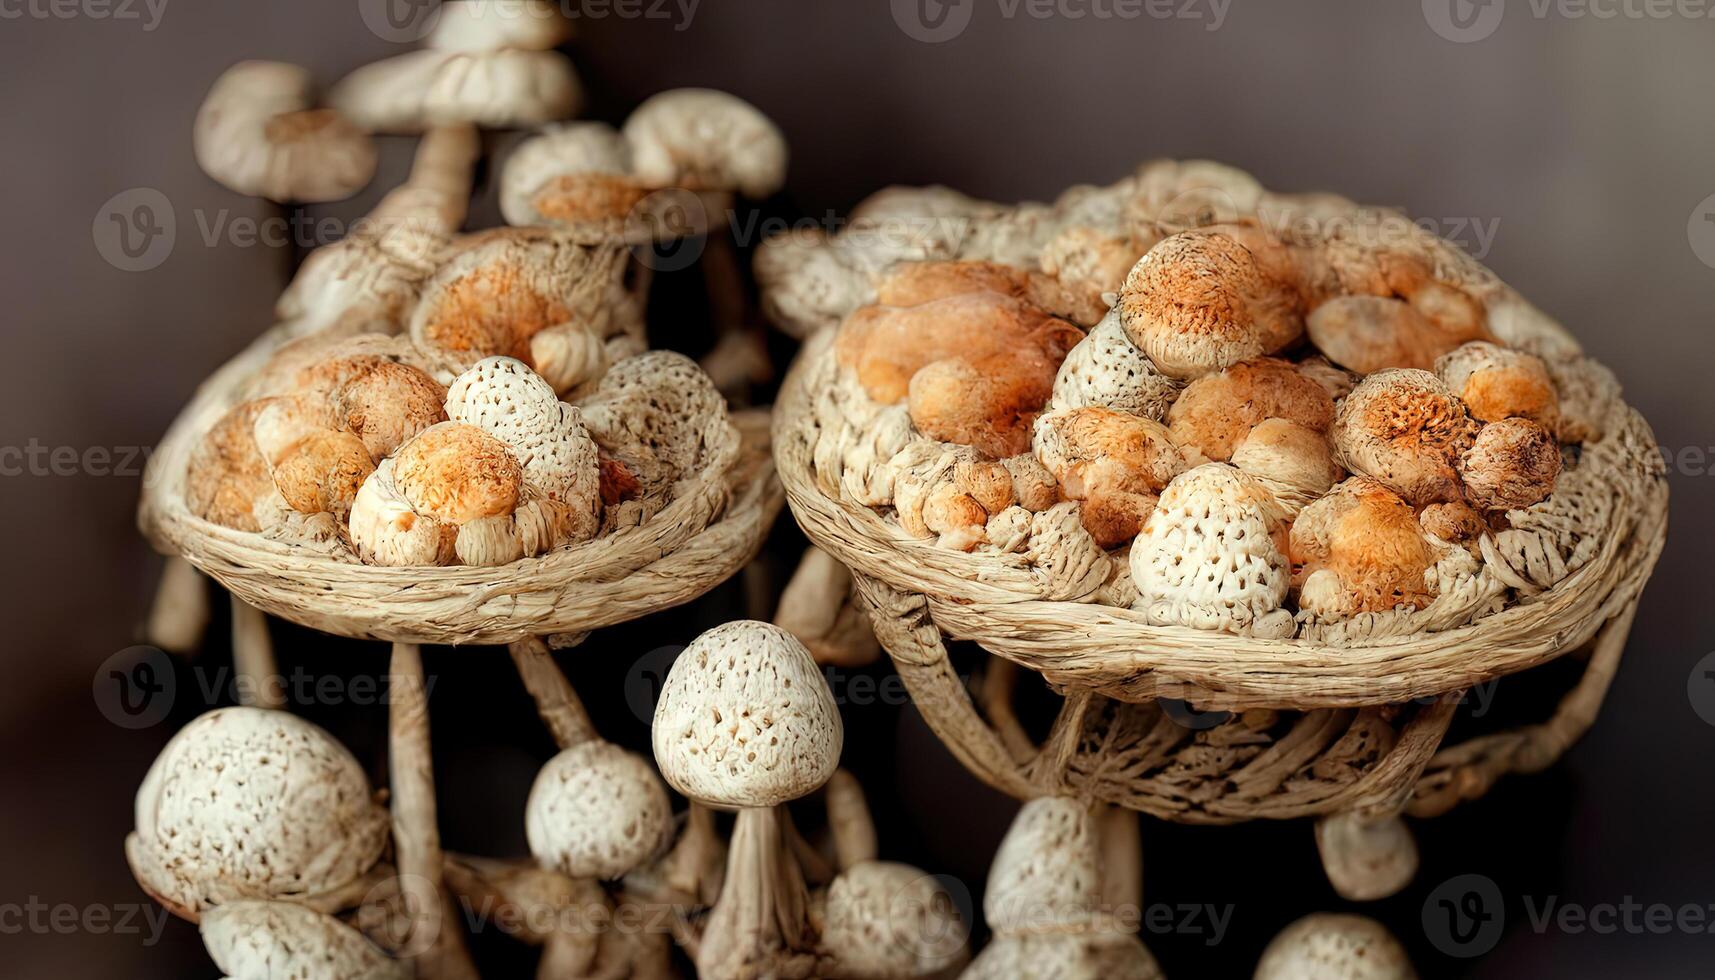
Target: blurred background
column 1568, row 145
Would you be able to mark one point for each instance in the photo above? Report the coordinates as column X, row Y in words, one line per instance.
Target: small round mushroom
column 1334, row 947
column 253, row 940
column 1216, row 411
column 1213, row 556
column 596, row 811
column 1198, row 302
column 1359, row 549
column 1105, row 370
column 227, row 478
column 455, row 472
column 704, row 140
column 745, row 720
column 1366, row 859
column 495, row 25
column 1498, row 382
column 258, row 134
column 1512, row 464
column 1404, row 428
column 252, row 803
column 498, row 89
column 1369, row 333
column 1295, row 463
column 1115, row 463
column 1092, row 265
column 575, row 175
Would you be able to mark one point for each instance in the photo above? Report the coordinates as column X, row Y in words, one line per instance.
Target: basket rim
column 714, row 524
column 1081, row 644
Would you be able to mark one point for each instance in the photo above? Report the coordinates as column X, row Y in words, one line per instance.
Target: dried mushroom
column 252, row 940
column 1334, row 947
column 258, row 134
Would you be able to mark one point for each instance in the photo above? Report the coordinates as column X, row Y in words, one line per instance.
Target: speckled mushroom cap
column 258, row 133
column 251, row 803
column 1076, row 956
column 281, row 941
column 1334, row 947
column 1045, row 874
column 745, row 719
column 597, row 811
column 886, row 920
column 705, row 140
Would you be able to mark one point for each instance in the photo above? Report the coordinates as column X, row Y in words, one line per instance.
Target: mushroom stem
column 556, row 702
column 761, row 924
column 849, row 820
column 740, row 356
column 999, row 684
column 552, row 910
column 692, row 869
column 1122, row 859
column 818, row 607
column 253, row 658
column 444, row 168
column 416, row 838
column 180, row 613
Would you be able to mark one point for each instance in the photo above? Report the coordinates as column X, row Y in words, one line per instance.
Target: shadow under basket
column 1206, row 727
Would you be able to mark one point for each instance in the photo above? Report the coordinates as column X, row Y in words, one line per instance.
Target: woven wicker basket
column 711, row 529
column 1299, row 728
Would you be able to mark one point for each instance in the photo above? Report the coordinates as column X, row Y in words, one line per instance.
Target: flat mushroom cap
column 705, row 140
column 1498, row 382
column 1404, row 428
column 886, row 920
column 252, row 940
column 495, row 25
column 257, row 134
column 1198, row 302
column 252, row 803
column 597, row 811
column 492, row 89
column 1512, row 464
column 456, row 473
column 1359, row 549
column 1046, row 873
column 570, row 174
column 1216, row 411
column 745, row 719
column 1334, row 947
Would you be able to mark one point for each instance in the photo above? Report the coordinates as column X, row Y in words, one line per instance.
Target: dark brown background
column 1589, row 140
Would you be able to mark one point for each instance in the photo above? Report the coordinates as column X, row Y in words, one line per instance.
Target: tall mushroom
column 746, row 721
column 258, row 134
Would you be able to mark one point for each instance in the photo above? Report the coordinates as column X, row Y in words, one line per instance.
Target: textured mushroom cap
column 1405, row 429
column 1359, row 549
column 1369, row 333
column 323, row 472
column 597, row 811
column 491, row 89
column 571, row 173
column 1216, row 411
column 1114, row 462
column 1512, row 464
column 986, row 401
column 388, row 404
column 251, row 803
column 1497, row 382
column 256, row 134
column 227, row 475
column 701, row 139
column 661, row 415
column 1090, row 259
column 494, row 25
column 503, row 288
column 1174, row 195
column 1106, row 370
column 1046, row 873
column 1284, row 454
column 512, row 403
column 1455, row 522
column 1213, row 555
column 1103, row 955
column 386, row 530
column 745, row 719
column 1334, row 947
column 806, row 283
column 282, row 941
column 886, row 920
column 1200, row 301
column 455, row 472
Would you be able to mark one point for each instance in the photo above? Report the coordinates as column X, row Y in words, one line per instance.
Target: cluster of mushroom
column 1262, row 418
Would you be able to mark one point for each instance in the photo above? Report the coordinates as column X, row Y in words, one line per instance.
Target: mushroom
column 746, row 721
column 1368, row 333
column 1366, row 859
column 810, row 279
column 257, row 134
column 1455, row 522
column 1105, row 370
column 1115, row 463
column 704, row 140
column 820, row 607
column 1334, row 947
column 501, row 89
column 250, row 803
column 227, row 478
column 496, row 25
column 1216, row 411
column 572, row 175
column 1404, row 428
column 1512, row 464
column 1497, row 382
column 1200, row 301
column 1295, row 463
column 1090, row 265
column 1175, row 195
column 255, row 940
column 1044, row 903
column 881, row 920
column 1213, row 556
column 660, row 415
column 915, row 283
column 1359, row 549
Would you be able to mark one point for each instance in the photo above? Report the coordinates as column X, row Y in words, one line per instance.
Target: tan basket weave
column 1314, row 729
column 711, row 529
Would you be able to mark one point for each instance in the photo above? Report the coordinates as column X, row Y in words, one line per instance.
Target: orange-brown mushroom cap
column 1512, row 464
column 1359, row 549
column 1216, row 411
column 458, row 473
column 1403, row 428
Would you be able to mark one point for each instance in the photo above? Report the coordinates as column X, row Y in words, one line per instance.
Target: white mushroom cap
column 1106, row 370
column 701, row 139
column 746, row 719
column 661, row 415
column 558, row 151
column 282, row 941
column 252, row 803
column 493, row 89
column 1334, row 947
column 258, row 134
column 597, row 811
column 386, row 530
column 1046, row 874
column 886, row 920
column 494, row 25
column 515, row 405
column 1101, row 955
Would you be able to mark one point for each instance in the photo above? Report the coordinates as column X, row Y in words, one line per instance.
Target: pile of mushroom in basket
column 1259, row 483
